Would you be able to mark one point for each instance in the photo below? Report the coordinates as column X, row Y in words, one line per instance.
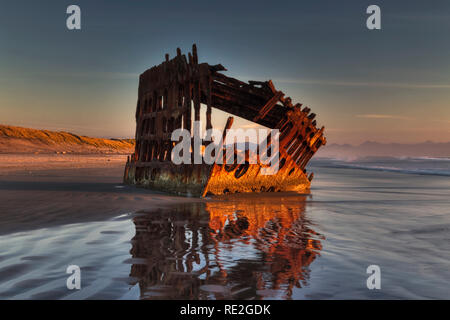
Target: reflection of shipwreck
column 249, row 248
column 168, row 93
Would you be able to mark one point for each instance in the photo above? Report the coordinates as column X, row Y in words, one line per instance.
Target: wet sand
column 137, row 244
column 40, row 191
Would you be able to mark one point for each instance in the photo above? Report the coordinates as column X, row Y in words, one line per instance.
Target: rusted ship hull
column 168, row 92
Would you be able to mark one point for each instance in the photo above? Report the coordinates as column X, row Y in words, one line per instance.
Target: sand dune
column 26, row 140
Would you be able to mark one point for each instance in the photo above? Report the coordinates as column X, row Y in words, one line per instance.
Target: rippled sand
column 136, row 244
column 38, row 191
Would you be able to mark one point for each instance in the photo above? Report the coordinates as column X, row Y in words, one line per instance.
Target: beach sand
column 45, row 190
column 131, row 243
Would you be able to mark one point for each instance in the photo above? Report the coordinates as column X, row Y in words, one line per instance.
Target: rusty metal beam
column 166, row 95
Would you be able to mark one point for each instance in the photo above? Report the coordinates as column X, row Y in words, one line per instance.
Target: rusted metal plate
column 168, row 92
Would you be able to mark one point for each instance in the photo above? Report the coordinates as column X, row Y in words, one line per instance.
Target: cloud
column 441, row 120
column 96, row 74
column 382, row 116
column 339, row 83
column 103, row 75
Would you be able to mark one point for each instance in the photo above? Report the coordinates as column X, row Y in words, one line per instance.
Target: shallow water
column 411, row 165
column 276, row 246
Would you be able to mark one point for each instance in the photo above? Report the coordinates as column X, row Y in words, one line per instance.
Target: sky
column 388, row 85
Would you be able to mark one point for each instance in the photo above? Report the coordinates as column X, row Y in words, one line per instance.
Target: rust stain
column 166, row 95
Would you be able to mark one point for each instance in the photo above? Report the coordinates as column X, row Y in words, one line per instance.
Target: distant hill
column 25, row 140
column 376, row 149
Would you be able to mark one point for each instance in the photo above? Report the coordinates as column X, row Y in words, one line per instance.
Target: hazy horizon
column 327, row 145
column 388, row 85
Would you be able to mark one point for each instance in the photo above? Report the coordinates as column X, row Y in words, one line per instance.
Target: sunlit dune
column 26, row 140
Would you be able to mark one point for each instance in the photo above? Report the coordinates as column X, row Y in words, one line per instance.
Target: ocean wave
column 444, row 159
column 436, row 172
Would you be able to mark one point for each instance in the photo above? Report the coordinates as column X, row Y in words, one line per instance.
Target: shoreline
column 22, row 163
column 40, row 191
column 123, row 237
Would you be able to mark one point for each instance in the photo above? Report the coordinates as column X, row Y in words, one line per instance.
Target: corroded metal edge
column 167, row 93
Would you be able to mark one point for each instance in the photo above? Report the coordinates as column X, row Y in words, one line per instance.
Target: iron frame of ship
column 171, row 93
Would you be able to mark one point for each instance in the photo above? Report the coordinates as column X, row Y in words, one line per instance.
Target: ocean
column 393, row 213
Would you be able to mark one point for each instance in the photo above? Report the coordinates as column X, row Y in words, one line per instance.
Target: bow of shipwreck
column 167, row 95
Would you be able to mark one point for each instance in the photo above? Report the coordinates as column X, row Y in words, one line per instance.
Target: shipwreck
column 170, row 96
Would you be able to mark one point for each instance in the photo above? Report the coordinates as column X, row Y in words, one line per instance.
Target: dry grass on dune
column 26, row 140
